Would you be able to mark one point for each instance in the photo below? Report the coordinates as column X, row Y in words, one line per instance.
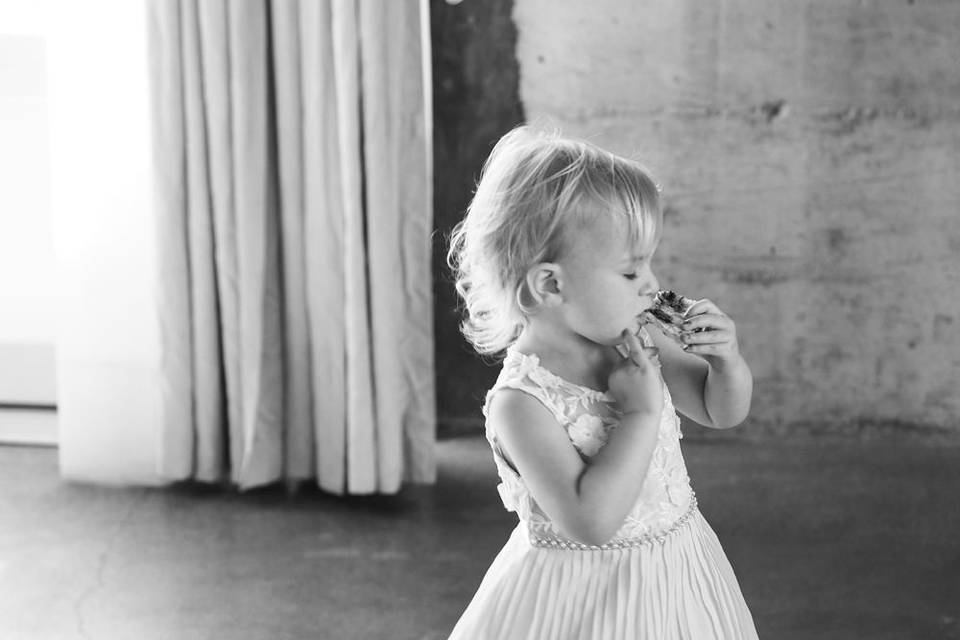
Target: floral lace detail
column 589, row 417
column 589, row 433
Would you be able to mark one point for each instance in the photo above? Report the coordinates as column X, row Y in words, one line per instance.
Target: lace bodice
column 589, row 416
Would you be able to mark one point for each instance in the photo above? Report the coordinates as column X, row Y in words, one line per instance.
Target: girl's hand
column 635, row 381
column 709, row 332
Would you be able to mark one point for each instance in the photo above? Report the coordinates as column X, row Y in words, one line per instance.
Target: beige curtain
column 293, row 171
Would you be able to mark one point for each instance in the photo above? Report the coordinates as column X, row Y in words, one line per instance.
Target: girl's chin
column 605, row 341
column 619, row 339
column 610, row 339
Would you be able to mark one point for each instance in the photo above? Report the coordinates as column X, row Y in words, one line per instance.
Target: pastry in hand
column 668, row 313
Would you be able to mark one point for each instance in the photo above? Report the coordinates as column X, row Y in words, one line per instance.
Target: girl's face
column 605, row 284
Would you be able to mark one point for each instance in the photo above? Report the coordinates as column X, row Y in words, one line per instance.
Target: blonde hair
column 535, row 187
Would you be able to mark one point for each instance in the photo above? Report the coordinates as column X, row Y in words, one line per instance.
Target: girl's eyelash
column 630, row 276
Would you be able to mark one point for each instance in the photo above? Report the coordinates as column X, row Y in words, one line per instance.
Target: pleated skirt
column 680, row 588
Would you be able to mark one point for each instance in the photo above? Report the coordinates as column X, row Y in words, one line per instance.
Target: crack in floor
column 104, row 556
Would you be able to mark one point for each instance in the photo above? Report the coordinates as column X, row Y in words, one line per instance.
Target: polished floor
column 831, row 540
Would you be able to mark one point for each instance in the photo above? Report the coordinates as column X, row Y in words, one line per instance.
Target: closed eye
column 630, row 276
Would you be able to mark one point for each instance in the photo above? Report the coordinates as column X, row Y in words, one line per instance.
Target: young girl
column 553, row 264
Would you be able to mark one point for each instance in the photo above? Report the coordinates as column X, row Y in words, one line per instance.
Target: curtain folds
column 293, row 170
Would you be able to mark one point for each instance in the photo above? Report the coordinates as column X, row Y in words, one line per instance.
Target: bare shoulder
column 532, row 438
column 512, row 409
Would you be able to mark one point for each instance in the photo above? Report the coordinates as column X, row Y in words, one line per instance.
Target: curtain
column 292, row 154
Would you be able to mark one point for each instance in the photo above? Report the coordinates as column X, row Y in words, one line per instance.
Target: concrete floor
column 831, row 539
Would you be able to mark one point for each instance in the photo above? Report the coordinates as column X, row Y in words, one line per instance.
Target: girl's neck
column 568, row 355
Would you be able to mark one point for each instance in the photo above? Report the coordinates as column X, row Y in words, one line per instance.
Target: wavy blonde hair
column 537, row 187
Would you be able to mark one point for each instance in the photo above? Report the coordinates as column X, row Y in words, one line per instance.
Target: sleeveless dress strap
column 516, row 374
column 512, row 489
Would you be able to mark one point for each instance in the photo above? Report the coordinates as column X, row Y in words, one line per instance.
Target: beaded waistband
column 556, row 542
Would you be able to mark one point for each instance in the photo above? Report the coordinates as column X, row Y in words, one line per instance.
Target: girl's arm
column 588, row 501
column 728, row 391
column 710, row 382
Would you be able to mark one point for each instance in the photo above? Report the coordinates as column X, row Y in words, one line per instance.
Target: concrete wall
column 810, row 157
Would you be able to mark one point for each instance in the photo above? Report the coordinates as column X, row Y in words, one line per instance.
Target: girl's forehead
column 604, row 242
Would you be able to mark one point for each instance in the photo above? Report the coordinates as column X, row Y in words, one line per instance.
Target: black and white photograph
column 479, row 320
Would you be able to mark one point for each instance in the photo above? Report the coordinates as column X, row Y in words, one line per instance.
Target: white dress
column 662, row 576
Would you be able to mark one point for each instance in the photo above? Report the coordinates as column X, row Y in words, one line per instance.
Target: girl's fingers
column 705, row 321
column 625, row 348
column 713, row 336
column 644, row 357
column 702, row 306
column 707, row 349
column 636, row 351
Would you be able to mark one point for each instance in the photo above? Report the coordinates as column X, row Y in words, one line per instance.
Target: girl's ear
column 544, row 283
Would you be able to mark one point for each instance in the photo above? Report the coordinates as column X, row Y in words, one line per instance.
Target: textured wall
column 810, row 157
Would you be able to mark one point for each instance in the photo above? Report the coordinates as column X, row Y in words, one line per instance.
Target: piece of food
column 668, row 313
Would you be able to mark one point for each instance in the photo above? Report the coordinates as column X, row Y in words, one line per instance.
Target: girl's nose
column 650, row 285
